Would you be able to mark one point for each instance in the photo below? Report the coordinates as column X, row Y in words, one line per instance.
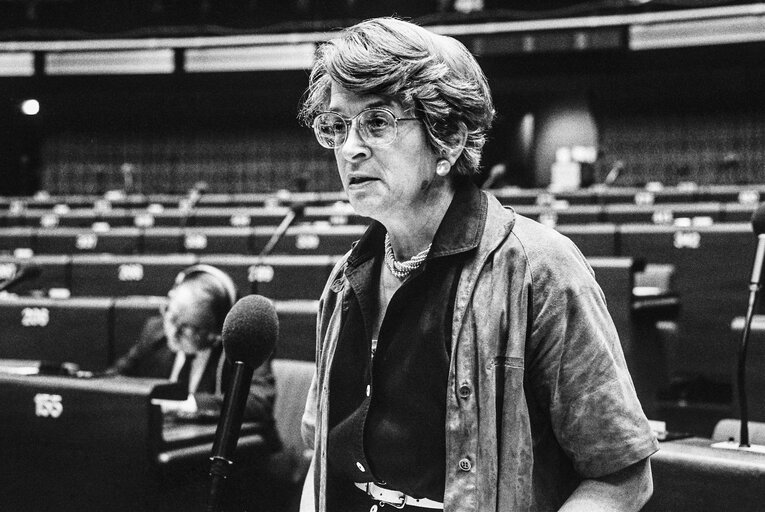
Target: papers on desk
column 188, row 406
column 659, row 429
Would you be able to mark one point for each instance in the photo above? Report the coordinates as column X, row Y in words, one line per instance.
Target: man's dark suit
column 151, row 357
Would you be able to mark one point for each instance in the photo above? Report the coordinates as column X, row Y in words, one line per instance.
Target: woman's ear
column 456, row 144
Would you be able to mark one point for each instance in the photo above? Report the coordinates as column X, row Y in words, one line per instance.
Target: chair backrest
column 293, row 379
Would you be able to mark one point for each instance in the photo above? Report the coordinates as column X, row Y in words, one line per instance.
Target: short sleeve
column 579, row 374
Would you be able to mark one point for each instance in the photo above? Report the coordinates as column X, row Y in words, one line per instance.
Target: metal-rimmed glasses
column 378, row 127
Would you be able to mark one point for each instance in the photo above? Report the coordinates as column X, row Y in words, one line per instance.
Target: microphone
column 249, row 334
column 296, row 211
column 758, row 226
column 21, row 275
column 614, row 173
column 188, row 203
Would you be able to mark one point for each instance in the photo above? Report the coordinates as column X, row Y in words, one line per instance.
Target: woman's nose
column 354, row 148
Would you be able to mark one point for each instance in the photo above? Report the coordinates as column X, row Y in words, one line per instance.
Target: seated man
column 183, row 344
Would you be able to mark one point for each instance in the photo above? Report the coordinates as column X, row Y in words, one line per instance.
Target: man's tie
column 185, row 373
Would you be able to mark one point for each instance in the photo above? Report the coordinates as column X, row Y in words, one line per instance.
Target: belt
column 396, row 498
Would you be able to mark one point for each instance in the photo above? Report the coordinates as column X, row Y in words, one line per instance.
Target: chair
column 288, row 467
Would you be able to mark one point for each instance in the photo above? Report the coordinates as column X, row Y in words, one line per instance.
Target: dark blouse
column 388, row 408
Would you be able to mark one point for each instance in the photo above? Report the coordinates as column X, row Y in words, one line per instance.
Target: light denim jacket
column 538, row 394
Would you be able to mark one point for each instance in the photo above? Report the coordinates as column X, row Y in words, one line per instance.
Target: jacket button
column 464, row 391
column 361, row 467
column 465, row 464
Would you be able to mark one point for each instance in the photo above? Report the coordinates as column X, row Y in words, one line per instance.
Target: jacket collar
column 460, row 229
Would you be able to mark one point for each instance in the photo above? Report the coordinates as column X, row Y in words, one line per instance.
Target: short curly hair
column 434, row 75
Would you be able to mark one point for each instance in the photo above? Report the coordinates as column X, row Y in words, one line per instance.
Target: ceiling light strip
column 126, row 62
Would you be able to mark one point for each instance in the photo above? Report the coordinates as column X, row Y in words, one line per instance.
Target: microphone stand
column 296, row 211
column 754, row 297
column 227, row 433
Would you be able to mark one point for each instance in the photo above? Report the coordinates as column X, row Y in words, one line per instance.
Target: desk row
column 281, row 277
column 557, row 212
column 302, row 239
column 93, row 332
column 653, row 193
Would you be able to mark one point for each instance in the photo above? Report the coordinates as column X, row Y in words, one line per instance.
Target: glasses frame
column 348, row 121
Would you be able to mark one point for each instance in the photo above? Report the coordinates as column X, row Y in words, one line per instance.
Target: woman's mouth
column 360, row 180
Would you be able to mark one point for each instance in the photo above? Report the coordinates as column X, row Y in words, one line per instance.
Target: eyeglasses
column 189, row 332
column 377, row 127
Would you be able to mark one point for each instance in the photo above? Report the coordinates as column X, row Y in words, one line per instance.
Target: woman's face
column 385, row 183
column 187, row 320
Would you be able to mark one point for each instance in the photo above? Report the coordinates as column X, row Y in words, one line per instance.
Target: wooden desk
column 690, row 475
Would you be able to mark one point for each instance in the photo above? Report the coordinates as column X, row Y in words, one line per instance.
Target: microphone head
column 250, row 330
column 758, row 220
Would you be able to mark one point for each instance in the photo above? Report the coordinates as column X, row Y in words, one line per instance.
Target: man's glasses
column 377, row 127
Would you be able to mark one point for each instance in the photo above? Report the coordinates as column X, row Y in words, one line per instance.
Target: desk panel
column 592, row 239
column 72, row 444
column 76, row 240
column 14, row 238
column 71, row 330
column 689, row 475
column 712, row 269
column 278, row 277
column 663, row 213
column 217, row 240
column 110, row 275
column 307, row 239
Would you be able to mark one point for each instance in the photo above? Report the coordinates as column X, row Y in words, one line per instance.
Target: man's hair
column 210, row 292
column 433, row 75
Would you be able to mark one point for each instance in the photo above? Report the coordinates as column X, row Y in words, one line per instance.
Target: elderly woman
column 465, row 356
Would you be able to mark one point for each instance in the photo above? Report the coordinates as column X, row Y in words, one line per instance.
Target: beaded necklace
column 401, row 269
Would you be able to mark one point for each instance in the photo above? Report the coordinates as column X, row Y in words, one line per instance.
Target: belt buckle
column 401, row 496
column 396, row 505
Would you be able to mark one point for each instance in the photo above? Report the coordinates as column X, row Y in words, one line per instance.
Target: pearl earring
column 443, row 167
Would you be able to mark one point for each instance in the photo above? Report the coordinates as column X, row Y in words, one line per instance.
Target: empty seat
column 297, row 329
column 288, row 467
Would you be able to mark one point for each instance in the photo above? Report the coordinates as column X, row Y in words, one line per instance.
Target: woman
column 183, row 344
column 465, row 356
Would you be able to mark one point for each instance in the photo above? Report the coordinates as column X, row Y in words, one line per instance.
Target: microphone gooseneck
column 249, row 334
column 23, row 274
column 296, row 211
column 758, row 226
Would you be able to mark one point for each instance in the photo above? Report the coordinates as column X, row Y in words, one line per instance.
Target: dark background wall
column 675, row 115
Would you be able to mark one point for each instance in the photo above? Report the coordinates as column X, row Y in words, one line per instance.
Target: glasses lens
column 329, row 129
column 378, row 127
